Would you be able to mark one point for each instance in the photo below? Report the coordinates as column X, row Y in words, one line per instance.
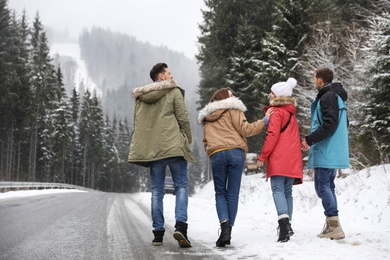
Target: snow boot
column 332, row 229
column 228, row 242
column 225, row 236
column 158, row 238
column 180, row 234
column 291, row 231
column 285, row 230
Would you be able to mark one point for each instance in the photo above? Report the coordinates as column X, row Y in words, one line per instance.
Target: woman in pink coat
column 282, row 153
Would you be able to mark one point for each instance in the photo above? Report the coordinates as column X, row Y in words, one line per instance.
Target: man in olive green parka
column 161, row 138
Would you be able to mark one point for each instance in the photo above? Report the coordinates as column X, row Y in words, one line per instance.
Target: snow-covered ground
column 363, row 197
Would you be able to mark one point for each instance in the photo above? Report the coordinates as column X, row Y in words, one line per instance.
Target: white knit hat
column 284, row 88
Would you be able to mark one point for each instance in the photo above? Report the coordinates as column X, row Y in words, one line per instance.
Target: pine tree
column 61, row 132
column 245, row 61
column 284, row 44
column 74, row 149
column 91, row 139
column 218, row 37
column 128, row 179
column 85, row 137
column 231, row 52
column 97, row 141
column 195, row 172
column 23, row 105
column 110, row 157
column 45, row 84
column 375, row 140
column 15, row 94
column 7, row 40
column 244, row 79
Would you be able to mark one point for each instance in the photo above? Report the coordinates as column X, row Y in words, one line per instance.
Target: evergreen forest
column 249, row 45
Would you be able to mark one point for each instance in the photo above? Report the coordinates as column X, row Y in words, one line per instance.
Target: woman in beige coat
column 224, row 138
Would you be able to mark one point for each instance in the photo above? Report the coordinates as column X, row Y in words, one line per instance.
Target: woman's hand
column 269, row 112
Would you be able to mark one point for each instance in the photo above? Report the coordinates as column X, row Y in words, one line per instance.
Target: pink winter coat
column 282, row 151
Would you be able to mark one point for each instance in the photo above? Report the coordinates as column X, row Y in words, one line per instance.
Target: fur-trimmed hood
column 282, row 101
column 153, row 92
column 209, row 111
column 287, row 103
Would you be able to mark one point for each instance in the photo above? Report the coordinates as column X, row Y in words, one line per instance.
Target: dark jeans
column 325, row 189
column 227, row 167
column 178, row 167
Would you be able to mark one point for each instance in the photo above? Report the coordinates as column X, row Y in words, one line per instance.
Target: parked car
column 251, row 164
column 169, row 186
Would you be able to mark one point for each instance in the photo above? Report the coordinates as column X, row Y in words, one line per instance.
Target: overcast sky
column 172, row 23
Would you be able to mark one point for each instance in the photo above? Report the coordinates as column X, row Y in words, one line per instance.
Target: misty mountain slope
column 74, row 69
column 115, row 63
column 118, row 63
column 115, row 59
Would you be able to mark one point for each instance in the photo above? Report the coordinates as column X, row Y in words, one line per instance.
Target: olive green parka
column 161, row 124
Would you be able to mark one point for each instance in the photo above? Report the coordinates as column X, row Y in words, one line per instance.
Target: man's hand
column 260, row 163
column 304, row 145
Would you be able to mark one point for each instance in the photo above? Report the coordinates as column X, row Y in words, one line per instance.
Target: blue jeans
column 282, row 192
column 227, row 167
column 178, row 167
column 324, row 185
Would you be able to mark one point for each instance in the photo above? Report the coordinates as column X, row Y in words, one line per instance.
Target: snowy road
column 84, row 225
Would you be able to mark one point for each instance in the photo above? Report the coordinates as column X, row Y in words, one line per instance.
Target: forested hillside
column 51, row 131
column 251, row 44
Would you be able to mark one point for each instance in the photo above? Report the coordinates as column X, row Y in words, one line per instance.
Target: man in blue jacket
column 328, row 143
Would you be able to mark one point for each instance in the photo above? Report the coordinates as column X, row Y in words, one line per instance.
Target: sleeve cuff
column 265, row 121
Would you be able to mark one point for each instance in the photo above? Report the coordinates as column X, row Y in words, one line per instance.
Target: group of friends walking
column 162, row 135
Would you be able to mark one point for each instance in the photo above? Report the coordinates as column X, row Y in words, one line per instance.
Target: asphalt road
column 85, row 225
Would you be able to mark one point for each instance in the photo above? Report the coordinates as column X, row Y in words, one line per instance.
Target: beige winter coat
column 225, row 125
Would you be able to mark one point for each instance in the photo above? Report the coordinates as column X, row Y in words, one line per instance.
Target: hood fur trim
column 158, row 85
column 228, row 103
column 282, row 101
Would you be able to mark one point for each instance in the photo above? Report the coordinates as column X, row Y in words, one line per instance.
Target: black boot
column 285, row 230
column 225, row 236
column 290, row 231
column 228, row 242
column 158, row 238
column 180, row 234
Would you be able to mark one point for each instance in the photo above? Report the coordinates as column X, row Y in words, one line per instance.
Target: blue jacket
column 328, row 137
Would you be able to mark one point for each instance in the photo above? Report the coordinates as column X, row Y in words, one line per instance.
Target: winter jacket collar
column 287, row 103
column 282, row 101
column 214, row 110
column 153, row 92
column 336, row 88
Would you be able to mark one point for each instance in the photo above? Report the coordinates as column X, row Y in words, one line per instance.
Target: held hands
column 304, row 145
column 260, row 163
